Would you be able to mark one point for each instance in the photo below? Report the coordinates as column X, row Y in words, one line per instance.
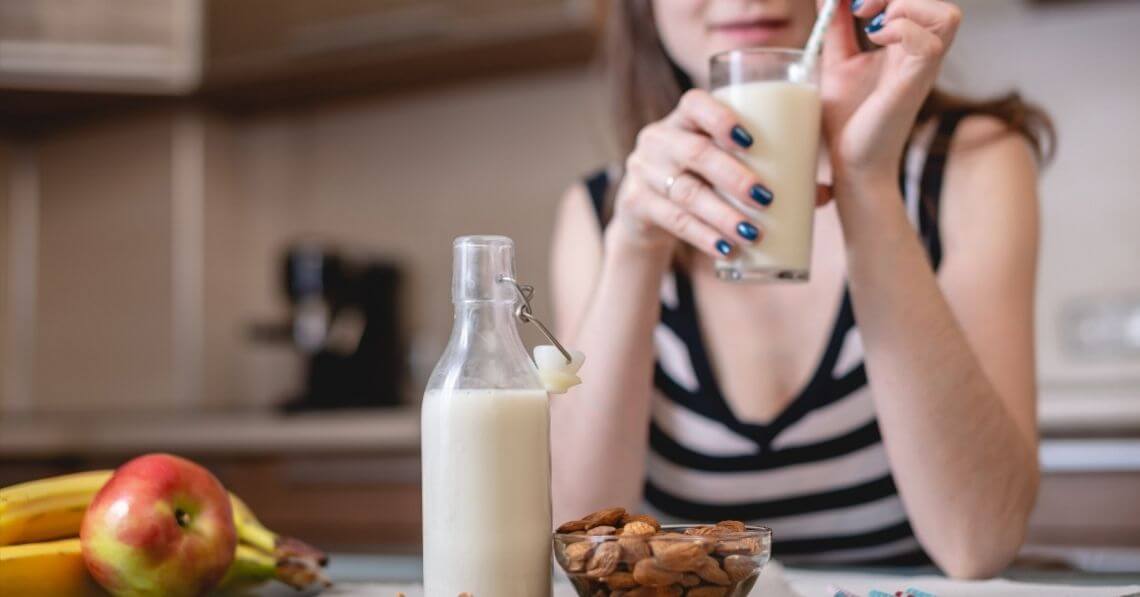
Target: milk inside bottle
column 486, row 442
column 778, row 103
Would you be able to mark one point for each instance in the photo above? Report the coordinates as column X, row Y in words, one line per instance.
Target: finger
column 699, row 111
column 685, row 225
column 943, row 18
column 685, row 150
column 692, row 194
column 866, row 9
column 912, row 37
column 840, row 42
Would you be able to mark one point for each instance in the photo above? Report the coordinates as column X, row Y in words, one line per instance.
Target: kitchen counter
column 396, row 431
column 383, row 576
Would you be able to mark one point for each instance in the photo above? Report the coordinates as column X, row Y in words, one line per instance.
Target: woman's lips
column 750, row 32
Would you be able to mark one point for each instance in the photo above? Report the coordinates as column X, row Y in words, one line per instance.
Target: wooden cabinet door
column 149, row 46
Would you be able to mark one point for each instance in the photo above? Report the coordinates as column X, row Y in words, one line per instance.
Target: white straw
column 815, row 42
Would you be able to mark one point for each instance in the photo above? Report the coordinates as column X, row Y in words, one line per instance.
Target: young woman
column 883, row 412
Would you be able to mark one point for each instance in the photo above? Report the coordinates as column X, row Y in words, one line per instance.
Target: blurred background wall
column 158, row 159
column 1078, row 59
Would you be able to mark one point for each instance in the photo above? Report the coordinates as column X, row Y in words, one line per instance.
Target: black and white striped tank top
column 817, row 474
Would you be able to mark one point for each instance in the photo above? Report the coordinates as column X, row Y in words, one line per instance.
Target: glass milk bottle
column 486, row 442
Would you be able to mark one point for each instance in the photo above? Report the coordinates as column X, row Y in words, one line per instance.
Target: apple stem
column 182, row 517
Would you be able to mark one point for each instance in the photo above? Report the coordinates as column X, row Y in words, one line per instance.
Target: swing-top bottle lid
column 480, row 263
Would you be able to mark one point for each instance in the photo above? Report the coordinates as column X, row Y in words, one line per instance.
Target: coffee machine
column 345, row 319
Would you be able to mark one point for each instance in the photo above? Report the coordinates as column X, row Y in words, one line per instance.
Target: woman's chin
column 752, row 37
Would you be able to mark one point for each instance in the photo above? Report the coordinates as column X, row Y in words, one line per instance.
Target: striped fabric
column 817, row 474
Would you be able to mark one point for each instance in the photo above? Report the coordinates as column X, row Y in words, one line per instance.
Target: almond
column 577, row 554
column 664, row 591
column 647, row 519
column 680, row 556
column 608, row 517
column 573, row 526
column 620, row 580
column 739, row 567
column 604, row 561
column 633, row 550
column 749, row 546
column 732, row 526
column 665, row 540
column 649, row 573
column 704, row 531
column 638, row 527
column 602, row 530
column 690, row 580
column 708, row 592
column 709, row 571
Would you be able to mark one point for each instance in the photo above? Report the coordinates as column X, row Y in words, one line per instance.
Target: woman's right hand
column 689, row 149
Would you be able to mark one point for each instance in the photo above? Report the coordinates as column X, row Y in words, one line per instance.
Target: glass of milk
column 485, row 439
column 777, row 100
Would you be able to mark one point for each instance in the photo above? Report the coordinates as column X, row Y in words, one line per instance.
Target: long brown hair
column 645, row 85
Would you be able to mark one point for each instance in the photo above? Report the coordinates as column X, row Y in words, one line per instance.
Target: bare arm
column 950, row 361
column 607, row 301
column 606, row 306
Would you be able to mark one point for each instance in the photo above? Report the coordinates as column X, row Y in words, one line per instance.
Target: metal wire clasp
column 525, row 313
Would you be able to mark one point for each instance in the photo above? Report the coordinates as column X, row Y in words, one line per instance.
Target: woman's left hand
column 871, row 99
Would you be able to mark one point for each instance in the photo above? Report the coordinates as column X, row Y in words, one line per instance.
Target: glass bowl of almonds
column 613, row 553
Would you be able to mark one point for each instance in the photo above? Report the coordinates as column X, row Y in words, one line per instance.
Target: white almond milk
column 784, row 120
column 486, row 493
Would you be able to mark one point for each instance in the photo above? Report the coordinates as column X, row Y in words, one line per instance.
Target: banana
column 50, row 569
column 48, row 508
column 53, row 509
column 56, row 569
column 251, row 531
column 252, row 567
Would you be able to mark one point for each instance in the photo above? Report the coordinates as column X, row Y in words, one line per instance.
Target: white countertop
column 385, row 576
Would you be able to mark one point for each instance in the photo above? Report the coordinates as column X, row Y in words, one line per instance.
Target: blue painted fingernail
column 856, row 5
column 741, row 136
column 747, row 231
column 723, row 247
column 877, row 23
column 761, row 195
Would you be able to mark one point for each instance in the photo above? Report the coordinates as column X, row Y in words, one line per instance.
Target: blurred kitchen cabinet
column 5, row 234
column 127, row 46
column 1087, row 509
column 343, row 503
column 265, row 51
column 367, row 502
column 254, row 51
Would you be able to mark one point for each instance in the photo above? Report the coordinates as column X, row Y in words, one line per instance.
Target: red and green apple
column 162, row 525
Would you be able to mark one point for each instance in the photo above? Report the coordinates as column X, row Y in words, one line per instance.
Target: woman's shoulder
column 984, row 147
column 990, row 181
column 593, row 190
column 985, row 134
column 583, row 202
